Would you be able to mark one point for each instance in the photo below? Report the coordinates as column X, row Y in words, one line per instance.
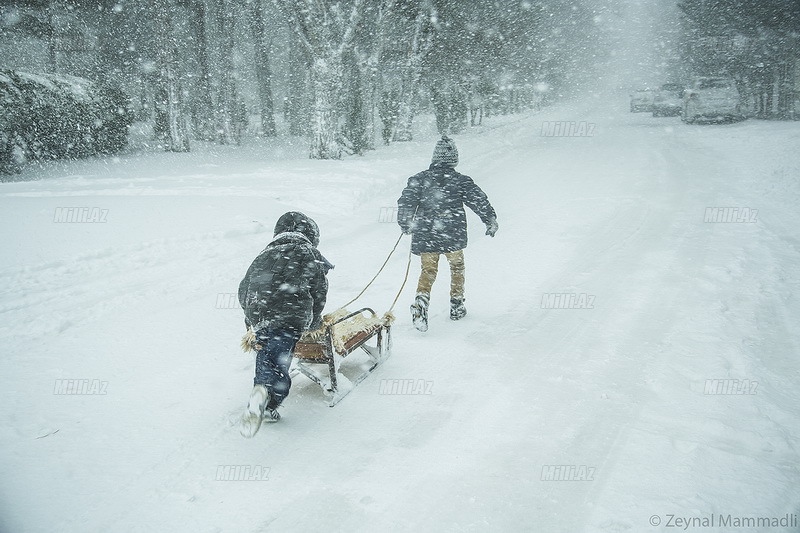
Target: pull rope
column 379, row 272
column 388, row 313
column 408, row 268
column 405, row 279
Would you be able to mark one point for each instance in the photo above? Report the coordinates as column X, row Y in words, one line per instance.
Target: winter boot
column 457, row 308
column 271, row 411
column 419, row 311
column 252, row 417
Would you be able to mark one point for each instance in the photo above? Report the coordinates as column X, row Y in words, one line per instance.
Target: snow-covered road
column 614, row 415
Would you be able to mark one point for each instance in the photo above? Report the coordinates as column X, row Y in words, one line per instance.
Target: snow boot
column 457, row 309
column 419, row 311
column 271, row 411
column 271, row 415
column 252, row 417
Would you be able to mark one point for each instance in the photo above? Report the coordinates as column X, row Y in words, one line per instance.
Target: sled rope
column 379, row 273
column 408, row 268
column 388, row 314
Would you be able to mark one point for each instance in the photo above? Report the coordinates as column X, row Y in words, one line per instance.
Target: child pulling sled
column 431, row 209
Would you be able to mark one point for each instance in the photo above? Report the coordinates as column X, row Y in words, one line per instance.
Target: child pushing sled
column 282, row 295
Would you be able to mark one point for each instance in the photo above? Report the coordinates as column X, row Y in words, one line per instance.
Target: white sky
column 643, row 38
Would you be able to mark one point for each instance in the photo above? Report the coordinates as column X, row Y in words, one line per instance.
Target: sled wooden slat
column 309, row 350
column 324, row 352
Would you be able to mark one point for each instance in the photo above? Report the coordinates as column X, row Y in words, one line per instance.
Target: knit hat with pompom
column 445, row 152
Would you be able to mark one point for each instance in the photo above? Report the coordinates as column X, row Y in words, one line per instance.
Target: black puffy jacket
column 285, row 286
column 432, row 209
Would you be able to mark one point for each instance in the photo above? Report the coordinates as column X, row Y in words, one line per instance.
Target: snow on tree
column 326, row 32
column 50, row 116
column 226, row 101
column 757, row 42
column 171, row 124
column 419, row 43
column 255, row 15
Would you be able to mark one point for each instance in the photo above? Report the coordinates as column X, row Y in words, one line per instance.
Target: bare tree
column 223, row 84
column 171, row 123
column 296, row 106
column 366, row 80
column 263, row 71
column 202, row 108
column 420, row 43
column 327, row 34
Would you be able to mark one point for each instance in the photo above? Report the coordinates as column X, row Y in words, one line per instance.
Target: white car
column 713, row 99
column 668, row 101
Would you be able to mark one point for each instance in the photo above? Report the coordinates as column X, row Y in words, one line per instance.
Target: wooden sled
column 340, row 338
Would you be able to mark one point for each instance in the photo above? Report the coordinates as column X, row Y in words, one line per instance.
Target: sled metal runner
column 308, row 355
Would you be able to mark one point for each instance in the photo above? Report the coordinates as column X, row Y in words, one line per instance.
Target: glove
column 492, row 227
column 406, row 230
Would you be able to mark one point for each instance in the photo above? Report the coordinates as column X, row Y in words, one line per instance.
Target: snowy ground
column 615, row 397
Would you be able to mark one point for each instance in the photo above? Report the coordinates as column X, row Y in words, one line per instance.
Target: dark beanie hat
column 445, row 152
column 296, row 221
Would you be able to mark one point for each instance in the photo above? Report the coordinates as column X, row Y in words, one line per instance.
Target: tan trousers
column 430, row 267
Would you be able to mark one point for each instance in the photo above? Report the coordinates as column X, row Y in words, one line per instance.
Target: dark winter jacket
column 285, row 286
column 438, row 196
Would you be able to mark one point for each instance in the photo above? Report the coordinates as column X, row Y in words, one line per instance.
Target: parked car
column 713, row 99
column 668, row 100
column 642, row 100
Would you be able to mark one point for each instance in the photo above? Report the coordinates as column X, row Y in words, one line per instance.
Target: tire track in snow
column 600, row 256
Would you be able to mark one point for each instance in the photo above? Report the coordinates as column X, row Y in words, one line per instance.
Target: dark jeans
column 273, row 361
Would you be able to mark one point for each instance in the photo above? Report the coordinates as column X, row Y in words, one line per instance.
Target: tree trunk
column 226, row 103
column 263, row 71
column 356, row 111
column 327, row 34
column 203, row 103
column 440, row 109
column 770, row 86
column 296, row 106
column 170, row 119
column 412, row 73
column 458, row 109
column 785, row 92
column 370, row 75
column 405, row 116
column 326, row 85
